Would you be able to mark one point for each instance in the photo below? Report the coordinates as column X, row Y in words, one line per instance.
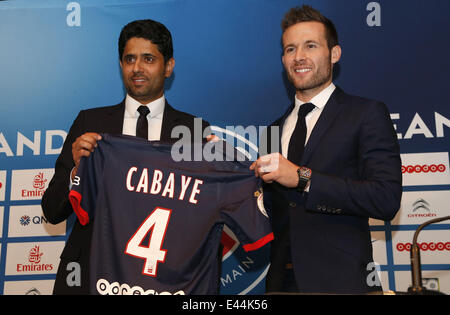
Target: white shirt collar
column 320, row 99
column 156, row 107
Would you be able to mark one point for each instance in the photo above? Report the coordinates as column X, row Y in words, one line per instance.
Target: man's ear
column 336, row 53
column 170, row 64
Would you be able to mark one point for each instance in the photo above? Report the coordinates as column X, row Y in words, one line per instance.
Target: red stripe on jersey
column 259, row 243
column 75, row 199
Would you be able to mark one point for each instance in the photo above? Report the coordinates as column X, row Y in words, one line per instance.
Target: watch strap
column 304, row 175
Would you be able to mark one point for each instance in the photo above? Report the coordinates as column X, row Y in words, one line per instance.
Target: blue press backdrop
column 59, row 57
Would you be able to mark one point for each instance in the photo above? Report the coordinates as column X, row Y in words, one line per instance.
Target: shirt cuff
column 70, row 179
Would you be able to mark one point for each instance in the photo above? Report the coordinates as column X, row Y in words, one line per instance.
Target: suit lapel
column 332, row 108
column 170, row 120
column 114, row 122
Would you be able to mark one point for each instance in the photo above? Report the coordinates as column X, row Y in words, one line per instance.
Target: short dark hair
column 309, row 14
column 151, row 30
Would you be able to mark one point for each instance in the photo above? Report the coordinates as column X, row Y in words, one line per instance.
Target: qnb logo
column 433, row 168
column 26, row 220
column 424, row 246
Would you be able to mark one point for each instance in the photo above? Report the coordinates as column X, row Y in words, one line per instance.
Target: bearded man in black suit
column 338, row 166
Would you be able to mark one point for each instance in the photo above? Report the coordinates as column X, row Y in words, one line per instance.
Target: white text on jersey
column 156, row 186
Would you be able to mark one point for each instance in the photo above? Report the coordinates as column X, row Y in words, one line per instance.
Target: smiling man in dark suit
column 338, row 166
column 146, row 60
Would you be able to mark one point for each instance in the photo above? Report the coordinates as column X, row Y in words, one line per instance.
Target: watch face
column 305, row 172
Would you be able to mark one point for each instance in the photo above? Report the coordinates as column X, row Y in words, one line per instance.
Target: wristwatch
column 304, row 175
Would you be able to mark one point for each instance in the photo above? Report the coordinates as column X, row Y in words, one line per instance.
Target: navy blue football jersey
column 157, row 222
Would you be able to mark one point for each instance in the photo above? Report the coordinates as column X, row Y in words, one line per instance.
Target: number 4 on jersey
column 156, row 224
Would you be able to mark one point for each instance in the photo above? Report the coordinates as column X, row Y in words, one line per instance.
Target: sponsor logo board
column 434, row 246
column 30, row 184
column 34, row 287
column 33, row 258
column 421, row 169
column 418, row 207
column 30, row 221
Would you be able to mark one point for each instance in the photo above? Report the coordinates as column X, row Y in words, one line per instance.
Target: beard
column 151, row 90
column 317, row 80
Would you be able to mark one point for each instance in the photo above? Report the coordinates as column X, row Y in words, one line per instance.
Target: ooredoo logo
column 423, row 168
column 420, row 169
column 105, row 288
column 424, row 246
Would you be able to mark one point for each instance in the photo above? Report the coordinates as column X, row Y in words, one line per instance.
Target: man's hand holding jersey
column 276, row 168
column 84, row 145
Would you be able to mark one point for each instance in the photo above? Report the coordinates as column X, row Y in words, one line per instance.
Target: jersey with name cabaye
column 158, row 223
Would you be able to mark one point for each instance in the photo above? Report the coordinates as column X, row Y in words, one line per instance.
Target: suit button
column 292, row 204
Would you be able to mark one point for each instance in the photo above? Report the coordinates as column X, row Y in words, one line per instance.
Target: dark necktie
column 142, row 123
column 297, row 142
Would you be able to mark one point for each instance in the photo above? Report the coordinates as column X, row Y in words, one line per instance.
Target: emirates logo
column 39, row 181
column 35, row 255
column 35, row 264
column 38, row 187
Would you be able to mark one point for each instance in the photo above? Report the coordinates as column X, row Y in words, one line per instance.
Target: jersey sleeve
column 246, row 217
column 84, row 192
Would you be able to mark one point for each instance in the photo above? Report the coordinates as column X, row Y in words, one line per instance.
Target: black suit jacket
column 354, row 156
column 55, row 202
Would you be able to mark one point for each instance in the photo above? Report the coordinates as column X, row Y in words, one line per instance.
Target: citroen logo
column 421, row 204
